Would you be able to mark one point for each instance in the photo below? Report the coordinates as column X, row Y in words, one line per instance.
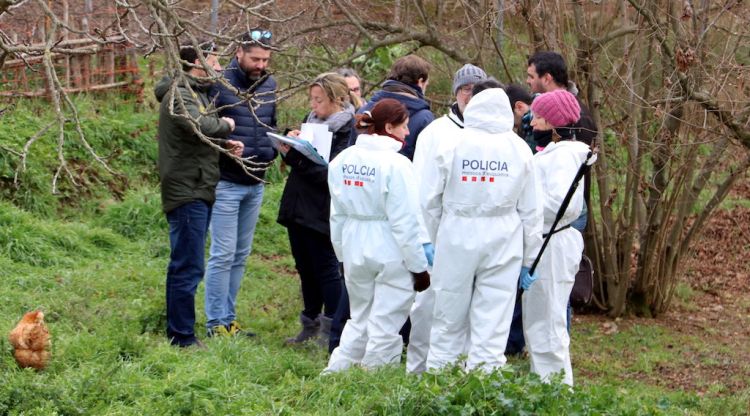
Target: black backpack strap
column 556, row 231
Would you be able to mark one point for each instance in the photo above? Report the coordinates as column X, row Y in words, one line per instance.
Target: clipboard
column 302, row 146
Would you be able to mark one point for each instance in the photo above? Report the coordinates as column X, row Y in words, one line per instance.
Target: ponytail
column 365, row 122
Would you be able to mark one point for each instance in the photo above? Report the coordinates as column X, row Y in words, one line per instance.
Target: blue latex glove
column 526, row 278
column 429, row 252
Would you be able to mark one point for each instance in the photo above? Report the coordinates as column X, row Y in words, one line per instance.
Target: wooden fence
column 94, row 67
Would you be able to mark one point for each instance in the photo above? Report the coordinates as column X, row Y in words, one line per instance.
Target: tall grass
column 26, row 239
column 138, row 216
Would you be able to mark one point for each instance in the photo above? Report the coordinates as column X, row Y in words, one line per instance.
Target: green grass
column 732, row 203
column 101, row 285
column 684, row 295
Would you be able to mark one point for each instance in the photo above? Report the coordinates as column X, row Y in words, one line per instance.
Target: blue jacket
column 247, row 128
column 419, row 111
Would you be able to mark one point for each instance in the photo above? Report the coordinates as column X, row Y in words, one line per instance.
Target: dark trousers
column 318, row 270
column 339, row 319
column 516, row 341
column 188, row 225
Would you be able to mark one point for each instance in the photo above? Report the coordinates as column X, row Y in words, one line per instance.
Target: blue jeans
column 188, row 225
column 235, row 214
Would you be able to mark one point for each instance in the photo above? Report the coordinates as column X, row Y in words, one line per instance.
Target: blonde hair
column 335, row 88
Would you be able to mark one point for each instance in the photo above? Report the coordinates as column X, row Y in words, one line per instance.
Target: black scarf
column 544, row 137
column 457, row 112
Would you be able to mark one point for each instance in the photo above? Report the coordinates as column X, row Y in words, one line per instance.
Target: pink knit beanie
column 559, row 107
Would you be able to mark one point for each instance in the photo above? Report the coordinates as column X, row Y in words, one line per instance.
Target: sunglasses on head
column 208, row 47
column 260, row 34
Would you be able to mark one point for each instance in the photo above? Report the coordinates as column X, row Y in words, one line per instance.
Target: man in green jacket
column 189, row 138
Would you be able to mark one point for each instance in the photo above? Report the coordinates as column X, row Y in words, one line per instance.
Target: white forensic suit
column 443, row 129
column 375, row 231
column 438, row 131
column 485, row 216
column 545, row 303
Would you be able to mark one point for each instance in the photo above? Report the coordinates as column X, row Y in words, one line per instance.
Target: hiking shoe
column 236, row 330
column 217, row 331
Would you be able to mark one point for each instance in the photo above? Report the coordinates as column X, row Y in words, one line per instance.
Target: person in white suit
column 484, row 214
column 375, row 231
column 443, row 129
column 545, row 303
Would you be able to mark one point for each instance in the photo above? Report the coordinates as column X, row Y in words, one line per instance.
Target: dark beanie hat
column 560, row 108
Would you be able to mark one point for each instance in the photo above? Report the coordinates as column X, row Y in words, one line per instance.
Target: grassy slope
column 103, row 296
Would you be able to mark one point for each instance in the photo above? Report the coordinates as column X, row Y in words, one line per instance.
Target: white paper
column 302, row 146
column 319, row 136
column 306, row 134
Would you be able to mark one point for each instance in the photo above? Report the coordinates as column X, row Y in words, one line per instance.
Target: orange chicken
column 30, row 340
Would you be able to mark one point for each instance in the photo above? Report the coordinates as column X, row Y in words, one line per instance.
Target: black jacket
column 248, row 118
column 306, row 200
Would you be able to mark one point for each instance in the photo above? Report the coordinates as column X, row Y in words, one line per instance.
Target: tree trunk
column 214, row 16
column 499, row 24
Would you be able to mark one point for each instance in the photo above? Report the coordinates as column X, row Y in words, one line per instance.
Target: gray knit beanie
column 468, row 74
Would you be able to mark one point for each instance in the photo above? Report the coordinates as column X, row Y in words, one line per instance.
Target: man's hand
column 235, row 146
column 230, row 121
